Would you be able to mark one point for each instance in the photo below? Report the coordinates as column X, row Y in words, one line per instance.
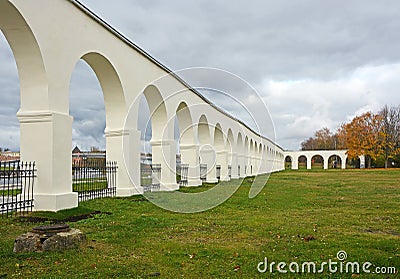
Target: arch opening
column 9, row 81
column 302, row 162
column 208, row 156
column 186, row 157
column 288, row 162
column 335, row 162
column 317, row 162
column 86, row 106
column 152, row 122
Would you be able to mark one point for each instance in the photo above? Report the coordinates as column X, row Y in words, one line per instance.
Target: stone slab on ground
column 34, row 242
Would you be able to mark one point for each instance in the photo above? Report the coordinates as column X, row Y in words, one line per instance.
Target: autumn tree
column 390, row 132
column 363, row 136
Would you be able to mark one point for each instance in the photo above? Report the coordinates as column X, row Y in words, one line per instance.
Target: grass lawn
column 11, row 192
column 89, row 185
column 299, row 216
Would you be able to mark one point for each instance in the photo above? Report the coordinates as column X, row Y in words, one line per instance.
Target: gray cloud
column 315, row 63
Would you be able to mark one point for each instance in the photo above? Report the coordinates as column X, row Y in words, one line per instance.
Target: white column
column 344, row 159
column 309, row 163
column 164, row 153
column 190, row 154
column 263, row 162
column 234, row 165
column 242, row 159
column 247, row 161
column 222, row 160
column 256, row 165
column 208, row 157
column 123, row 147
column 46, row 138
column 326, row 161
column 295, row 163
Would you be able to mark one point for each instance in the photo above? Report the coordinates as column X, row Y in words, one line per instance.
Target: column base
column 127, row 192
column 214, row 180
column 194, row 183
column 55, row 202
column 169, row 187
column 235, row 177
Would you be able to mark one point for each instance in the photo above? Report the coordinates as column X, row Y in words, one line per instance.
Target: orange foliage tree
column 363, row 136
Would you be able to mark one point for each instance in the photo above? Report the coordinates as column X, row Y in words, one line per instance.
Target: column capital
column 39, row 116
column 116, row 132
column 161, row 142
column 188, row 146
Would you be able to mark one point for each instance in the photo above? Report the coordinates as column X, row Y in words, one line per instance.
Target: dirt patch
column 72, row 219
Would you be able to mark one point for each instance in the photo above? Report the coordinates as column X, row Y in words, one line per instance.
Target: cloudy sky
column 315, row 63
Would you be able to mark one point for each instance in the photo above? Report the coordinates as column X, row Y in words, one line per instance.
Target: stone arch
column 163, row 148
column 221, row 153
column 239, row 143
column 207, row 151
column 189, row 149
column 302, row 161
column 335, row 161
column 230, row 147
column 240, row 157
column 28, row 57
column 45, row 129
column 203, row 130
column 158, row 113
column 185, row 124
column 111, row 86
column 317, row 161
column 289, row 162
column 86, row 107
column 230, row 142
column 246, row 154
column 218, row 138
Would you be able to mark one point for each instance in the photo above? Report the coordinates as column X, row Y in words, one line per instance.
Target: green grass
column 356, row 211
column 85, row 185
column 6, row 168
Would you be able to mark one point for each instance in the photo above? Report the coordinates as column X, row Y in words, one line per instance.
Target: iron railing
column 150, row 177
column 93, row 180
column 182, row 173
column 203, row 172
column 16, row 187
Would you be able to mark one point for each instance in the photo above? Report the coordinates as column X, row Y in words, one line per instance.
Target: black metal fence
column 203, row 172
column 182, row 173
column 16, row 187
column 150, row 177
column 96, row 179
